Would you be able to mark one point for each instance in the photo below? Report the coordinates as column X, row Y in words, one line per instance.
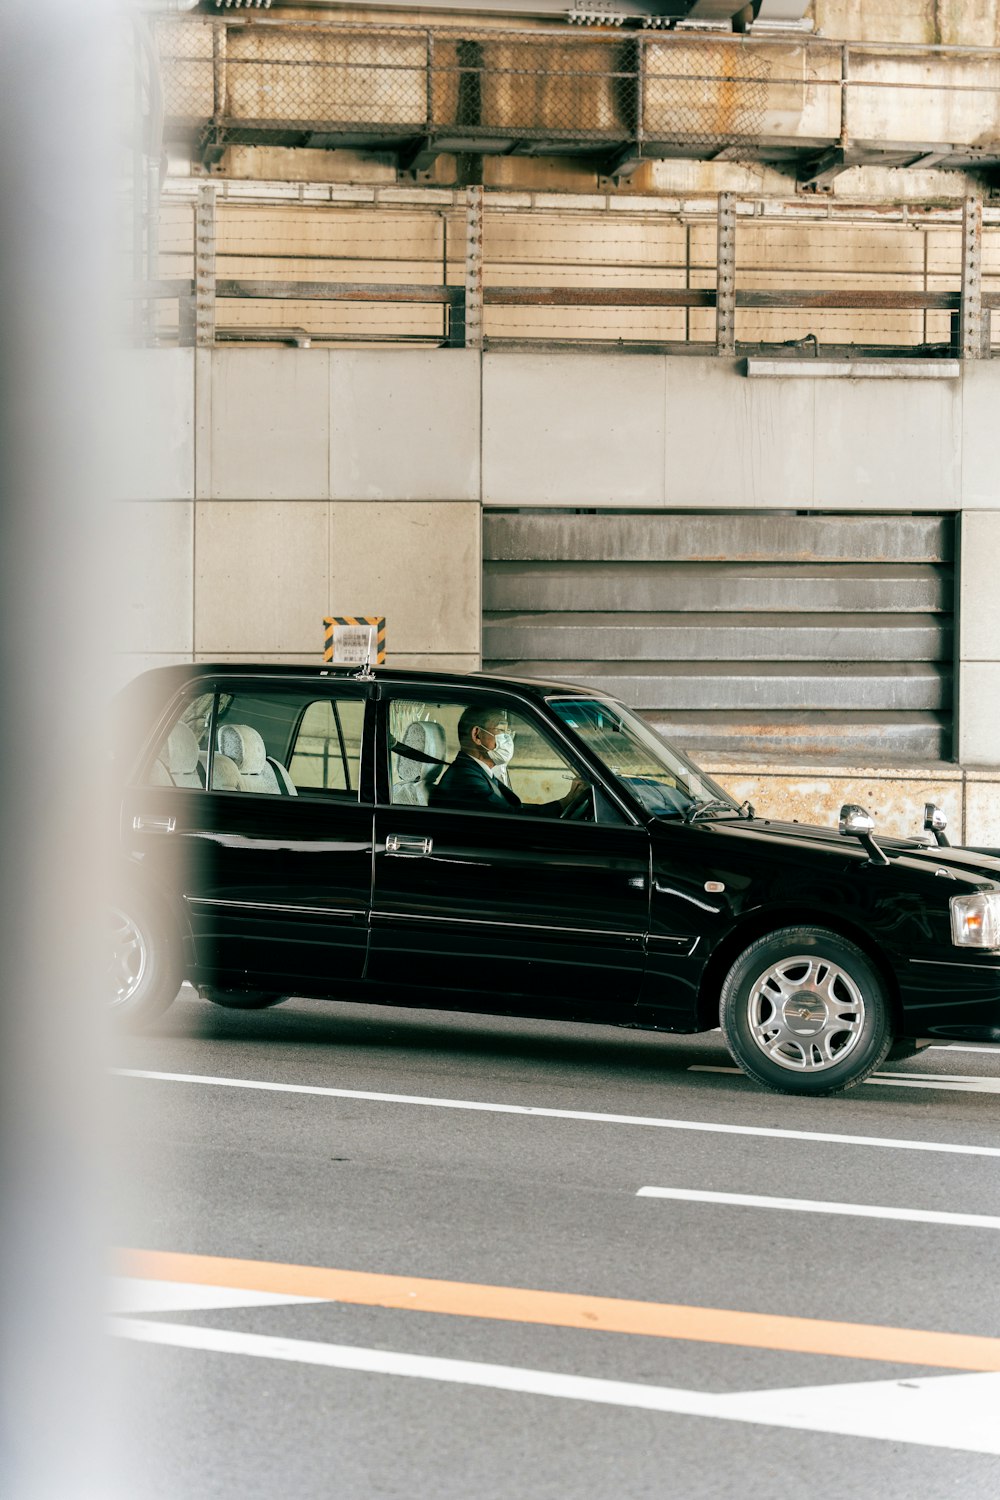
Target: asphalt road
column 347, row 1282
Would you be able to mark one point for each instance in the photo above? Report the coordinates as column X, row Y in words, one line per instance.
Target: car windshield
column 664, row 781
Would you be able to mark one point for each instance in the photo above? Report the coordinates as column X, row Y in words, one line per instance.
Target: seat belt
column 408, row 753
column 279, row 776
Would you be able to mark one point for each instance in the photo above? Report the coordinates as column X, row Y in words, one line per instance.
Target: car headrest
column 428, row 738
column 244, row 746
column 182, row 750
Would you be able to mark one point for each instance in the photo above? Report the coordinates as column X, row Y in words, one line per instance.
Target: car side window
column 326, row 751
column 182, row 756
column 280, row 742
column 428, row 738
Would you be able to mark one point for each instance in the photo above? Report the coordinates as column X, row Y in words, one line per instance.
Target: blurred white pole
column 57, row 89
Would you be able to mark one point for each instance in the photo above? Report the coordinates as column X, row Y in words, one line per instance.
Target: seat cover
column 245, row 748
column 225, row 777
column 181, row 756
column 414, row 778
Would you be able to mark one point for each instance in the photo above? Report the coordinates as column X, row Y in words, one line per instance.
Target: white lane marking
column 140, row 1294
column 651, row 1121
column 954, row 1083
column 951, row 1047
column 930, row 1081
column 944, row 1077
column 943, row 1411
column 811, row 1206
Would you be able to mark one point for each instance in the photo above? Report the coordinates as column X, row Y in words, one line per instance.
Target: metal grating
column 809, row 106
column 783, row 634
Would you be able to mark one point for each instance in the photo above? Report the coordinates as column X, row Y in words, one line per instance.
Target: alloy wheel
column 129, row 958
column 805, row 1013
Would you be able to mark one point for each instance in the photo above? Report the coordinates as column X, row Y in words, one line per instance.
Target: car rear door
column 276, row 878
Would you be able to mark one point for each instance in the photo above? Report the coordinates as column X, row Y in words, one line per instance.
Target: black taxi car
column 521, row 848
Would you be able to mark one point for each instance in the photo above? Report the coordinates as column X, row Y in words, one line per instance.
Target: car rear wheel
column 803, row 1011
column 241, row 999
column 144, row 967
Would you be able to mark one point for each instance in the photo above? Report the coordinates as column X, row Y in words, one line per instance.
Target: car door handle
column 398, row 843
column 146, row 823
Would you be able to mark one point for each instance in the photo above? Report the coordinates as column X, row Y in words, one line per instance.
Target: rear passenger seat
column 257, row 771
column 177, row 764
column 225, row 777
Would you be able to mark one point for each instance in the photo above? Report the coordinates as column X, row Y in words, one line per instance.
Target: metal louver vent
column 778, row 634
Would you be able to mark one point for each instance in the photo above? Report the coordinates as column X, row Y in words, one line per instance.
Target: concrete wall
column 895, row 795
column 261, row 492
column 951, row 23
column 264, row 489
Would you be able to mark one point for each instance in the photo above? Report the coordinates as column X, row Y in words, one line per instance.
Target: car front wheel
column 803, row 1011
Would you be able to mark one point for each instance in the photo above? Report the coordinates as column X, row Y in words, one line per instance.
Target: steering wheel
column 576, row 806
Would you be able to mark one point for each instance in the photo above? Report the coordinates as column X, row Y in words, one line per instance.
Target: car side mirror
column 935, row 822
column 856, row 822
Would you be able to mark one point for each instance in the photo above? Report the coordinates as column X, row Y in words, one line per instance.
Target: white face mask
column 503, row 749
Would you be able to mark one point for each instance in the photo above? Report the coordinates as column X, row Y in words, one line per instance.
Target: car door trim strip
column 953, row 963
column 407, row 916
column 276, row 906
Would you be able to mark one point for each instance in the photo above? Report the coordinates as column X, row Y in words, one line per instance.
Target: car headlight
column 975, row 920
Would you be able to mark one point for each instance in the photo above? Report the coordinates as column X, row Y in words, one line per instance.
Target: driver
column 487, row 744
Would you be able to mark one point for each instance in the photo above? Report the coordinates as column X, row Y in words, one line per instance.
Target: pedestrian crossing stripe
column 354, row 639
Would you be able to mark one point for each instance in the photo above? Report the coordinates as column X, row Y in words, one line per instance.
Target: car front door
column 266, row 830
column 516, row 902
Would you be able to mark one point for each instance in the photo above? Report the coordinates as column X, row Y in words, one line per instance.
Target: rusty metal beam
column 623, row 162
column 817, row 171
column 212, row 145
column 929, row 159
column 299, row 338
column 610, row 296
column 418, row 155
column 337, row 291
column 887, row 301
column 549, row 296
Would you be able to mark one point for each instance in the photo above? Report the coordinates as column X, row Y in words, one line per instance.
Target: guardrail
column 465, row 305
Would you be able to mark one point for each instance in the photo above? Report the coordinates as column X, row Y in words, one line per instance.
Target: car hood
column 971, row 863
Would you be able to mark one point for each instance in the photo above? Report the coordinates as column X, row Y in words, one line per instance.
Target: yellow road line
column 712, row 1325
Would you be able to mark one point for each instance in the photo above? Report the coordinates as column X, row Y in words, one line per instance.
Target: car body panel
column 532, row 906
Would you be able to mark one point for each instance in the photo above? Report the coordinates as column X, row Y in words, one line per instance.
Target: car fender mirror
column 935, row 822
column 857, row 822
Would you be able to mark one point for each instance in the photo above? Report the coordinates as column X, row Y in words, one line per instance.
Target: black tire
column 241, row 999
column 804, row 1011
column 145, row 968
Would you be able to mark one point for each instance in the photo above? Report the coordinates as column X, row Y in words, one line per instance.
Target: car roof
column 174, row 676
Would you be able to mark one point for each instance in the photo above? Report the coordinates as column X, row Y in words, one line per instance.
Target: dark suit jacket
column 468, row 784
